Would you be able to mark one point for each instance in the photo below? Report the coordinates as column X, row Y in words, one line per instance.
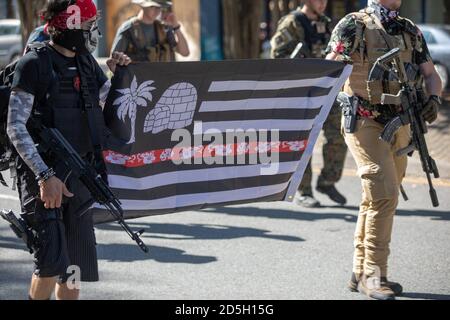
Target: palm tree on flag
column 129, row 101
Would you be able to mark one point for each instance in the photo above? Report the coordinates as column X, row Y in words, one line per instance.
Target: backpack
column 8, row 154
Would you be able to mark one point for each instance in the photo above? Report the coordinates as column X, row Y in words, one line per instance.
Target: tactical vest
column 63, row 108
column 316, row 36
column 372, row 41
column 139, row 49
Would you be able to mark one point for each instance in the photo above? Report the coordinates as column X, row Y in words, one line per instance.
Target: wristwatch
column 436, row 98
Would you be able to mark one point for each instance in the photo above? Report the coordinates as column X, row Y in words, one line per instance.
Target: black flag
column 198, row 134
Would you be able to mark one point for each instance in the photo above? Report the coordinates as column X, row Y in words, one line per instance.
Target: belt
column 382, row 114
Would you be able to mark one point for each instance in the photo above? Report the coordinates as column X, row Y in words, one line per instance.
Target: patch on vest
column 320, row 27
column 76, row 83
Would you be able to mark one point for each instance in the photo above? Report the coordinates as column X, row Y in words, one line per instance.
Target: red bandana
column 86, row 9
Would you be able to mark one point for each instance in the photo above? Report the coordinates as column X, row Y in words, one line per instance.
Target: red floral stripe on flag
column 209, row 151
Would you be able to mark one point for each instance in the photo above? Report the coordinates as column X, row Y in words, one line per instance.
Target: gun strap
column 383, row 32
column 403, row 192
column 305, row 23
column 388, row 40
column 88, row 108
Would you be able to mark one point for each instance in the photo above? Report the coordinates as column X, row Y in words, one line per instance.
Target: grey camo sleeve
column 20, row 107
column 104, row 91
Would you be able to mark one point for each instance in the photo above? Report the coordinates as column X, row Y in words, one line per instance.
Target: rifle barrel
column 100, row 191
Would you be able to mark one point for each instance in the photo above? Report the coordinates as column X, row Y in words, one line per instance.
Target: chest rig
column 317, row 33
column 373, row 41
column 64, row 108
column 139, row 49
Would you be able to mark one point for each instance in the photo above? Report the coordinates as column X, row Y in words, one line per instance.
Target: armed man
column 154, row 35
column 305, row 33
column 60, row 85
column 363, row 39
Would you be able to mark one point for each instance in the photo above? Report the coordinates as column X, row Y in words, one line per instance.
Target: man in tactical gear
column 361, row 38
column 154, row 35
column 309, row 26
column 52, row 87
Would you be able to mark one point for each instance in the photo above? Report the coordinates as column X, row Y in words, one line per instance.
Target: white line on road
column 7, row 197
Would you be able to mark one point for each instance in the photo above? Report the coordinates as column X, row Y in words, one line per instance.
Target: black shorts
column 65, row 236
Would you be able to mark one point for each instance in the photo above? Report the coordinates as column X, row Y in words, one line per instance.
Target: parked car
column 438, row 40
column 10, row 41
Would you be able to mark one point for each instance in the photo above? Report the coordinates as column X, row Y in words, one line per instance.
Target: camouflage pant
column 334, row 153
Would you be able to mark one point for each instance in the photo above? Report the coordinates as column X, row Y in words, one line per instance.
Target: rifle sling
column 88, row 108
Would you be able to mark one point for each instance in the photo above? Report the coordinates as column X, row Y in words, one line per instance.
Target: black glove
column 431, row 109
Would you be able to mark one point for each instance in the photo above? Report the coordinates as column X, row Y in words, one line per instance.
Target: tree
column 130, row 99
column 241, row 20
column 241, row 23
column 447, row 11
column 29, row 16
column 10, row 14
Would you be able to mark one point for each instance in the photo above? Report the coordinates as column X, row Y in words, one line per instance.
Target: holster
column 349, row 110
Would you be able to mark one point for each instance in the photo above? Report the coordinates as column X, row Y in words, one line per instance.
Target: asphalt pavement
column 264, row 251
column 257, row 251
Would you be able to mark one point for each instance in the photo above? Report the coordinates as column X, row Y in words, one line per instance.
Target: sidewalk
column 438, row 139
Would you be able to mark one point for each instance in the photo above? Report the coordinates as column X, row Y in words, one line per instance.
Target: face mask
column 92, row 38
column 79, row 41
column 383, row 13
column 388, row 15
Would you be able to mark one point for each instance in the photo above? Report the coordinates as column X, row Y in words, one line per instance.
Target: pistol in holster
column 349, row 106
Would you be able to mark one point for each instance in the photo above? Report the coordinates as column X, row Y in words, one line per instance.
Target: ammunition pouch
column 160, row 53
column 318, row 50
column 376, row 88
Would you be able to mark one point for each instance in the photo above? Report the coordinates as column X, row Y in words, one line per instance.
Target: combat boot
column 394, row 286
column 332, row 193
column 306, row 201
column 375, row 289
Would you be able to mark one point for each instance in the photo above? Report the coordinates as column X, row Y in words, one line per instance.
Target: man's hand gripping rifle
column 411, row 106
column 70, row 163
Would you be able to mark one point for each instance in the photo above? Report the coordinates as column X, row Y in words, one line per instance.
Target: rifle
column 70, row 163
column 298, row 52
column 411, row 102
column 20, row 228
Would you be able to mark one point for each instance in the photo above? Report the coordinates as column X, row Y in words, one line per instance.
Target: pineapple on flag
column 192, row 135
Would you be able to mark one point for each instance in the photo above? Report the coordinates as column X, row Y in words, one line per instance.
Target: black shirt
column 27, row 74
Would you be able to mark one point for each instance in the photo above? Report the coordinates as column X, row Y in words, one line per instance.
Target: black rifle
column 411, row 103
column 20, row 228
column 70, row 163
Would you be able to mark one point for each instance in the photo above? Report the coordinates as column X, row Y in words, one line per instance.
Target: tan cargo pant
column 381, row 173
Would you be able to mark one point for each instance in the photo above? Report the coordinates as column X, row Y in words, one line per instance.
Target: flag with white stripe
column 198, row 134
